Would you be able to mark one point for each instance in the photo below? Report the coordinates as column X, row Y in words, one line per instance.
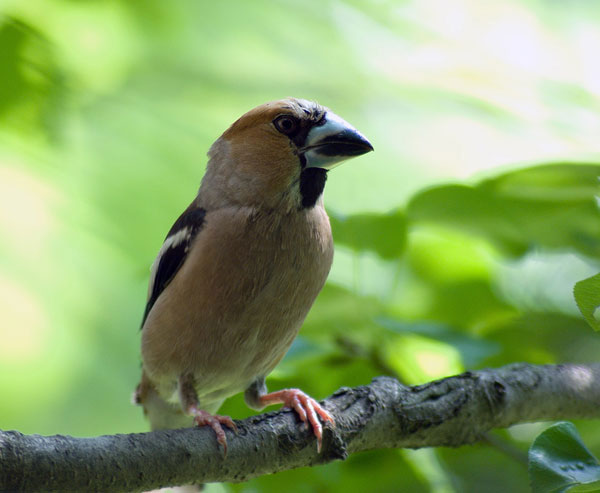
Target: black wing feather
column 173, row 257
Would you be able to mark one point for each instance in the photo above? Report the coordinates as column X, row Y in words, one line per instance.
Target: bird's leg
column 306, row 407
column 190, row 405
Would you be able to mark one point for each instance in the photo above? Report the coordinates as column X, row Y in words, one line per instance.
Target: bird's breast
column 238, row 301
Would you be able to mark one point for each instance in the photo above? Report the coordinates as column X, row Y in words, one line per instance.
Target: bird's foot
column 306, row 407
column 203, row 418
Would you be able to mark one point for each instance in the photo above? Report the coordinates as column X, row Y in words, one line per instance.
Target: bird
column 241, row 267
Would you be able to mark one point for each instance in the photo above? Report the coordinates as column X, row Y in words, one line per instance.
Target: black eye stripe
column 297, row 133
column 320, row 121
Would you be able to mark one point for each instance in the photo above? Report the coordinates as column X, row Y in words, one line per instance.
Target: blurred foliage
column 546, row 206
column 455, row 248
column 587, row 296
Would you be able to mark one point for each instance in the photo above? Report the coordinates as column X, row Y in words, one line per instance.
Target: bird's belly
column 243, row 310
column 253, row 343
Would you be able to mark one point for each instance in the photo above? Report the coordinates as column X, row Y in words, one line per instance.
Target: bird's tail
column 162, row 415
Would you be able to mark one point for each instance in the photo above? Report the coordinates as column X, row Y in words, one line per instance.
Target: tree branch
column 385, row 414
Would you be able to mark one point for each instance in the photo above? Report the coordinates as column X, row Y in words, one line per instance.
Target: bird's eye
column 286, row 124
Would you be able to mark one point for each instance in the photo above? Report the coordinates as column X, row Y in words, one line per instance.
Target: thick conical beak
column 333, row 141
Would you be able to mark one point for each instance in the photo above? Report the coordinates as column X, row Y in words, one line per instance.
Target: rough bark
column 385, row 414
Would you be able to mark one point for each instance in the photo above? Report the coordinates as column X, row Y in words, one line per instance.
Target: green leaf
column 559, row 461
column 383, row 234
column 552, row 205
column 587, row 296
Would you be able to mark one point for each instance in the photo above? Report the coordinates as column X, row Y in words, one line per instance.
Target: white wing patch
column 171, row 242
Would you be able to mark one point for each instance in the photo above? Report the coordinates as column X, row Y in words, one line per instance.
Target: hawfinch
column 241, row 267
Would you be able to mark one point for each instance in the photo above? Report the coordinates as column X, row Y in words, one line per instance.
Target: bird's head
column 278, row 154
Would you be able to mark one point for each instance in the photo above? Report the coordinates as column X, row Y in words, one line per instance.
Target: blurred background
column 458, row 241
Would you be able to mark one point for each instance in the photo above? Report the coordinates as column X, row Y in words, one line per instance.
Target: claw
column 305, row 406
column 203, row 418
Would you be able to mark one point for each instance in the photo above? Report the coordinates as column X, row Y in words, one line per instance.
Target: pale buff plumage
column 252, row 286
